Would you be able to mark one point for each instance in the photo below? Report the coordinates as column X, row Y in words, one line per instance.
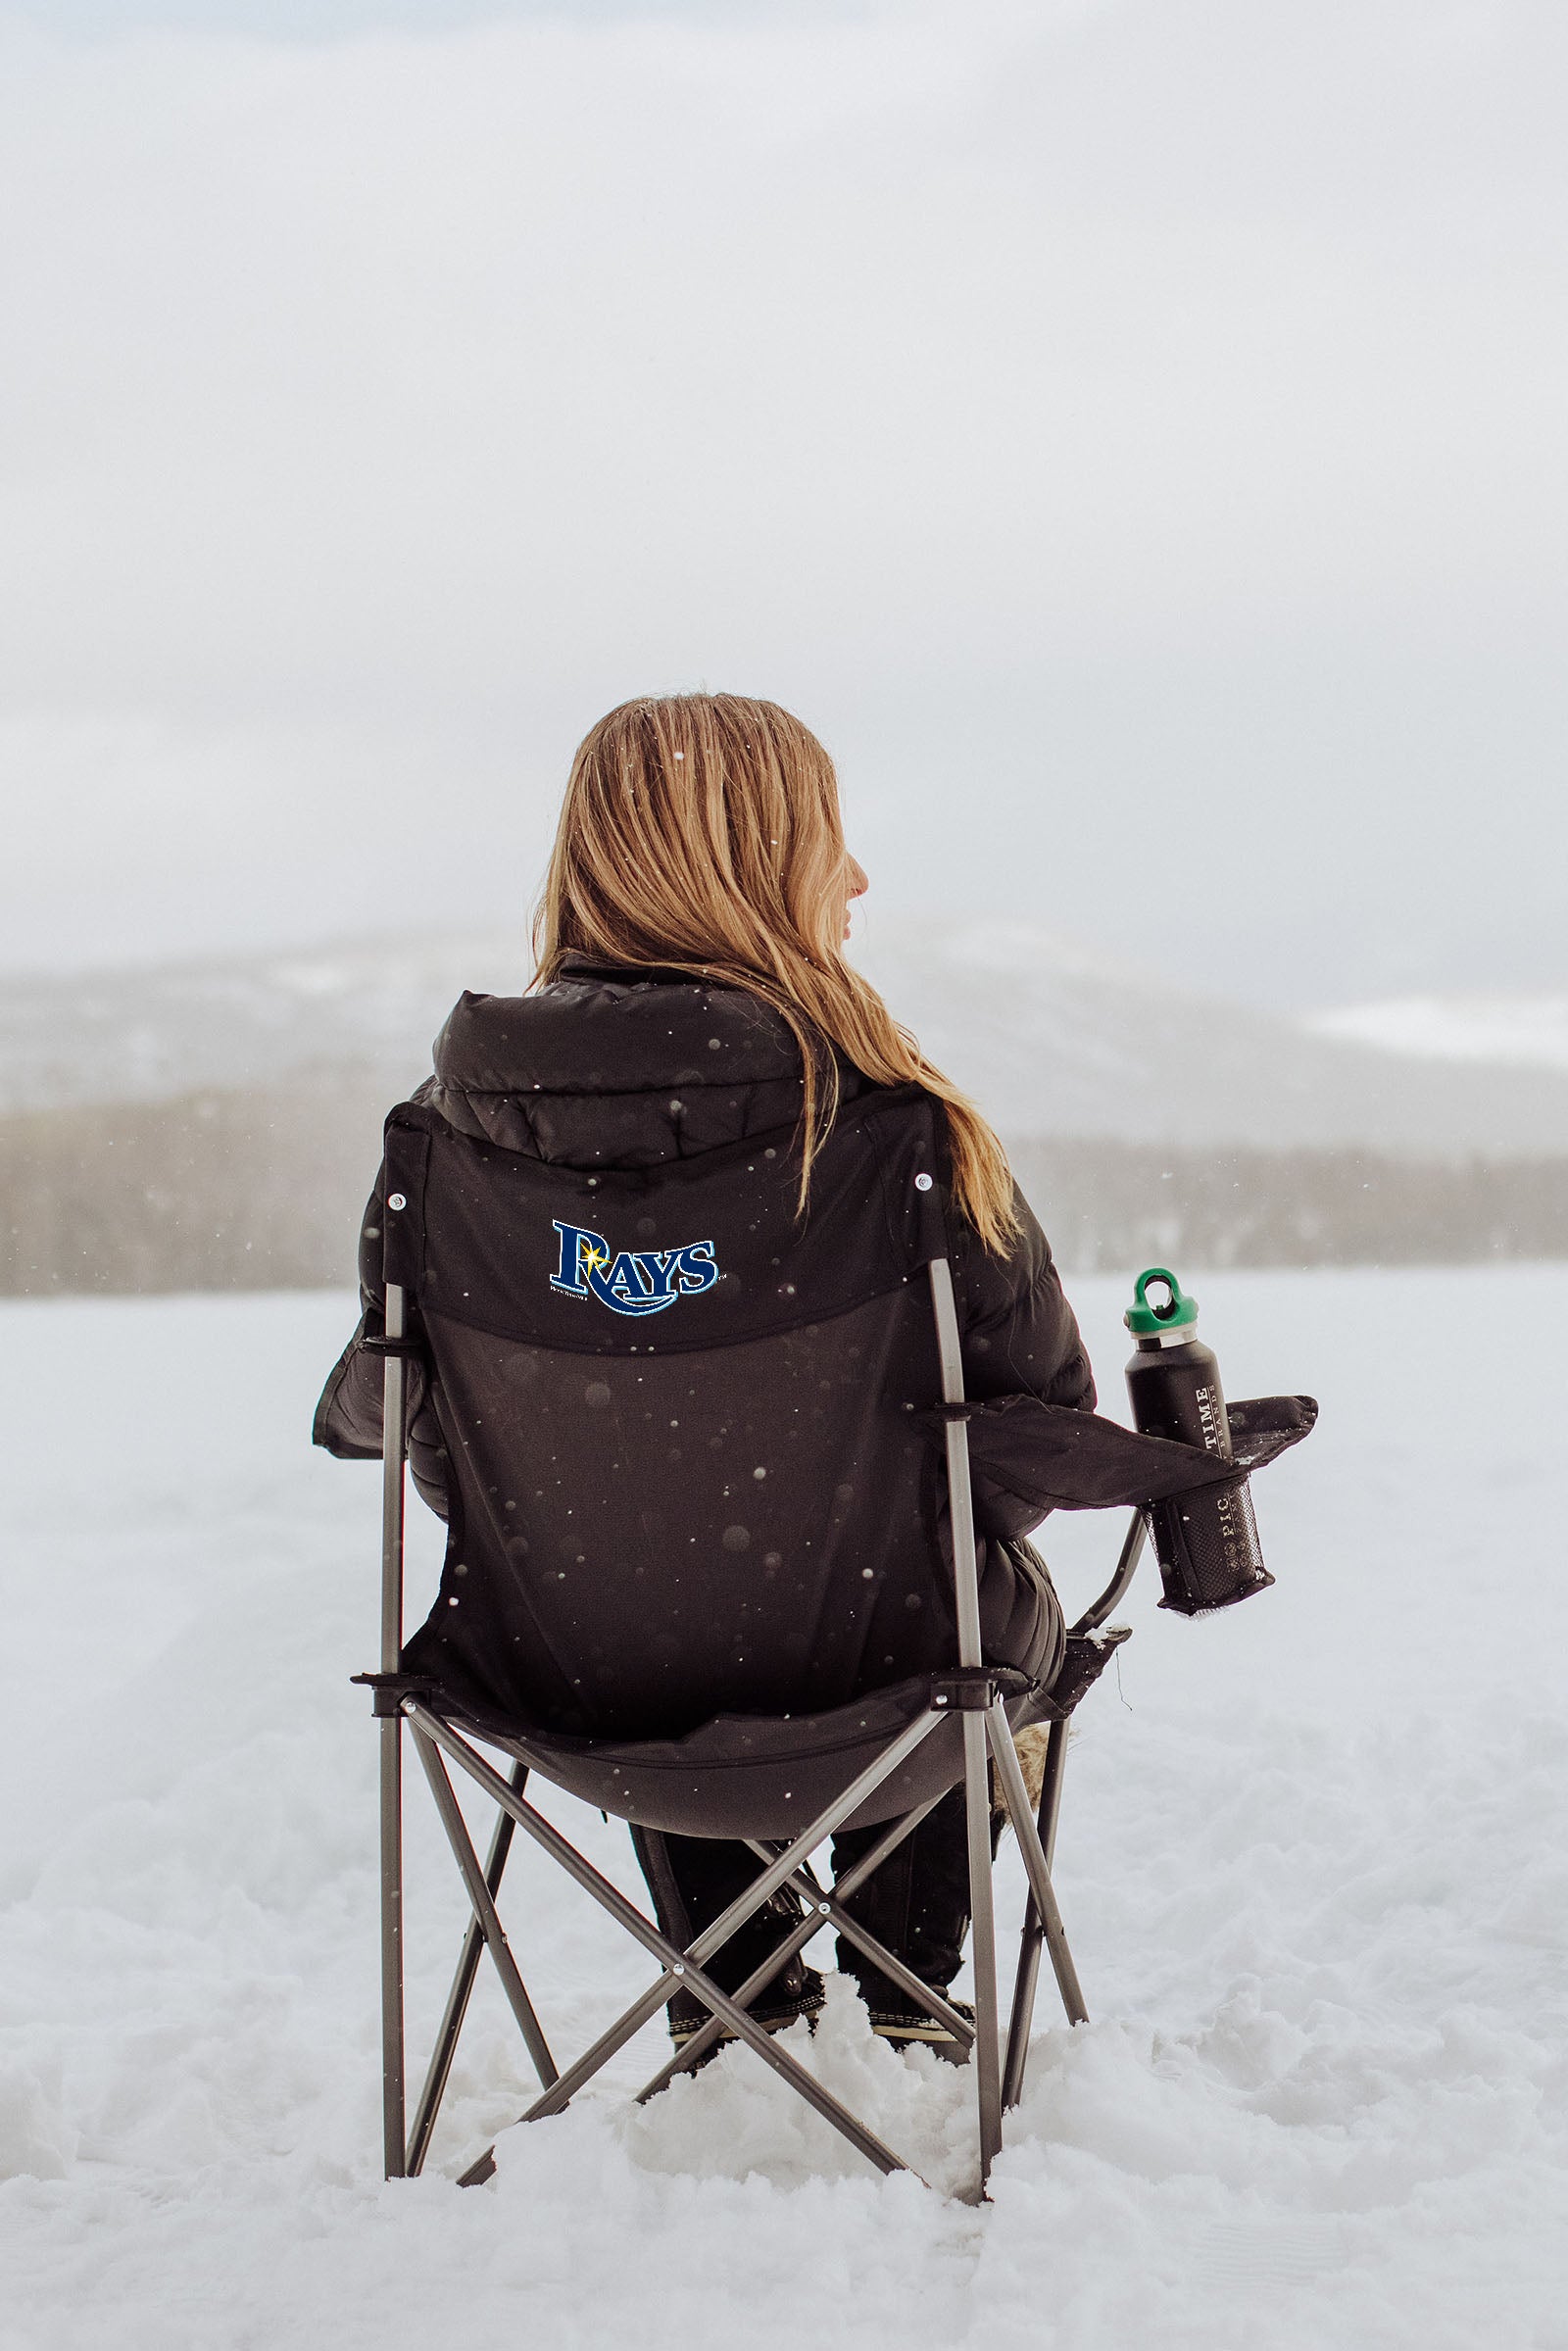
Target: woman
column 697, row 906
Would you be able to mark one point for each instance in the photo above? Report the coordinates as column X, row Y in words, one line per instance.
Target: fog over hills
column 1055, row 1042
column 1052, row 1041
column 217, row 1124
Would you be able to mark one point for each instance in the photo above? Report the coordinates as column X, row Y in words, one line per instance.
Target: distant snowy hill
column 1055, row 1041
column 255, row 1021
column 1521, row 1031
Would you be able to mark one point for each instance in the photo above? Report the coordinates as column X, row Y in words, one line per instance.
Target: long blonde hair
column 701, row 832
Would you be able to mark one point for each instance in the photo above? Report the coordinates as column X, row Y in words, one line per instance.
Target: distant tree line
column 262, row 1190
column 211, row 1191
column 1107, row 1205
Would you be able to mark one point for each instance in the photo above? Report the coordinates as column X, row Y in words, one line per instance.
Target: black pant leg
column 917, row 1902
column 693, row 1880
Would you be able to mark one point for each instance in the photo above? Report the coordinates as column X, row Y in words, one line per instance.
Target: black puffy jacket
column 630, row 1070
column 618, row 1068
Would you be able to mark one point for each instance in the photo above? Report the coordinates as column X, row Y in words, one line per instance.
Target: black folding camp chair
column 593, row 1589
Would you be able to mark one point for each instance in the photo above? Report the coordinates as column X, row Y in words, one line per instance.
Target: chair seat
column 748, row 1775
column 764, row 1776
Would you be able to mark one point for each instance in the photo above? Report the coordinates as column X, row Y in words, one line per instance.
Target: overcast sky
column 1130, row 432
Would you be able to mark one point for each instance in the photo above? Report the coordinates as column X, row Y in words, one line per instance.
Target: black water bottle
column 1206, row 1541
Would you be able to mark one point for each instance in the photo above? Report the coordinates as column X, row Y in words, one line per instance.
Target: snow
column 1310, row 1861
column 1525, row 1031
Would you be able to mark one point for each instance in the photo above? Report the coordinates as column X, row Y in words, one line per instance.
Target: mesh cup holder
column 1208, row 1547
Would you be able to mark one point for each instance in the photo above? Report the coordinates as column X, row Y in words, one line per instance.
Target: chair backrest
column 686, row 1471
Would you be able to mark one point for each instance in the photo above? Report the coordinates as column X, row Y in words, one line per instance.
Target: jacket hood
column 618, row 1069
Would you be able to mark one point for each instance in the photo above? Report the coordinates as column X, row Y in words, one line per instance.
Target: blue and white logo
column 641, row 1281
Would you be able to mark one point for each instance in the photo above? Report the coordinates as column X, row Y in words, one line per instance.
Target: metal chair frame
column 987, row 1737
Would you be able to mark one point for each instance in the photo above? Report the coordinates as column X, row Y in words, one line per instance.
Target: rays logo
column 642, row 1281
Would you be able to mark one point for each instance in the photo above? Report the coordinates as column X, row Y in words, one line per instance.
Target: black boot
column 917, row 1903
column 693, row 1881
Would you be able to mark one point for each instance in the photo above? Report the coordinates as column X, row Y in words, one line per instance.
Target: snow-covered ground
column 1312, row 1862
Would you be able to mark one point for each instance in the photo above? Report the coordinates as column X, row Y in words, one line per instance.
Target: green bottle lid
column 1178, row 1314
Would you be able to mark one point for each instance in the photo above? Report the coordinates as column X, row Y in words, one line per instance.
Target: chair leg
column 1010, row 1779
column 392, row 2056
column 1033, row 1937
column 1028, row 1974
column 394, row 1399
column 822, row 1910
column 445, row 2047
column 983, row 1926
column 830, row 1911
column 713, row 1937
column 462, row 1982
column 484, row 1910
column 678, row 1966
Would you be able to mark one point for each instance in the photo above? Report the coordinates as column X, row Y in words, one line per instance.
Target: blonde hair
column 701, row 832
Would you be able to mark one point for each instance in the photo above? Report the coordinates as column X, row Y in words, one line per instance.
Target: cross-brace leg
column 828, row 1904
column 826, row 1907
column 1015, row 1797
column 1032, row 1939
column 983, row 1931
column 822, row 1910
column 484, row 1930
column 682, row 1966
column 1044, row 1920
column 989, row 1731
column 1088, row 1627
